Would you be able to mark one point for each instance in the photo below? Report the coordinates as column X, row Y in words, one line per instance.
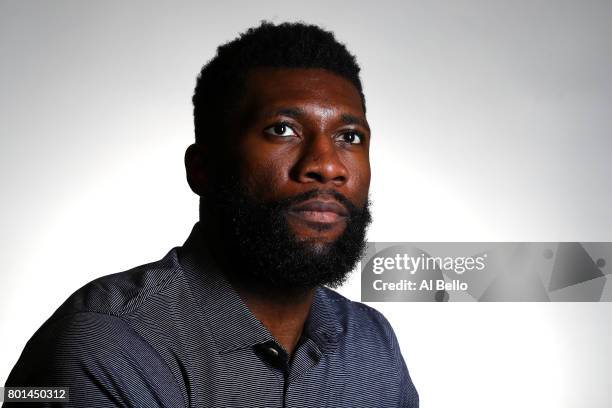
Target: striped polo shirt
column 174, row 333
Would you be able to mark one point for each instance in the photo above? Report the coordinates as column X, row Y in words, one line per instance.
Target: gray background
column 490, row 122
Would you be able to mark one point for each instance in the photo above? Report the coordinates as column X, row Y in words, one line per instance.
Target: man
column 238, row 316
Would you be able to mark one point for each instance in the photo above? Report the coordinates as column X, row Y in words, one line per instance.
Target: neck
column 283, row 315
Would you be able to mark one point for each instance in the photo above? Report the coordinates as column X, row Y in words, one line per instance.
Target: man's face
column 299, row 130
column 289, row 190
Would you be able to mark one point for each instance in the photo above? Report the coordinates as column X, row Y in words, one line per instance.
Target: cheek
column 264, row 171
column 358, row 168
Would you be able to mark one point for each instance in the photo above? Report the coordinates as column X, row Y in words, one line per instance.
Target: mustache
column 352, row 209
column 228, row 189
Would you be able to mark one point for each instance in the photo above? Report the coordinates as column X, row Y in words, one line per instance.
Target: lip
column 320, row 211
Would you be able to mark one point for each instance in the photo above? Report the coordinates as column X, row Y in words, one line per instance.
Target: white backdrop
column 490, row 121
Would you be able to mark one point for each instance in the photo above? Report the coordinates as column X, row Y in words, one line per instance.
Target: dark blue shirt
column 174, row 333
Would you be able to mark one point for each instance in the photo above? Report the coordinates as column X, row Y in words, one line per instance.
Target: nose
column 319, row 162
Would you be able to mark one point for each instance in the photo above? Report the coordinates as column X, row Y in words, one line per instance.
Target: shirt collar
column 232, row 324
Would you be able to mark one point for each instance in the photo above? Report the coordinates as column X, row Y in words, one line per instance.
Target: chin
column 317, row 246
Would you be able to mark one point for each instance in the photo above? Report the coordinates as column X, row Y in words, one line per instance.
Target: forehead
column 277, row 87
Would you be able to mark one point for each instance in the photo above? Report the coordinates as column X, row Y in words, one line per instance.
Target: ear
column 196, row 166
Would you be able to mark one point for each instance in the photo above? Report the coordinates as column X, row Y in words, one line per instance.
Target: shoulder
column 122, row 293
column 368, row 334
column 356, row 314
column 362, row 325
column 86, row 336
column 94, row 323
column 96, row 318
column 100, row 358
column 89, row 343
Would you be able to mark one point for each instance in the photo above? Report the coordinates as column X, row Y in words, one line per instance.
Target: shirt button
column 273, row 352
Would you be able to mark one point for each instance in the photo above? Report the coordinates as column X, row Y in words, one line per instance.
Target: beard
column 262, row 253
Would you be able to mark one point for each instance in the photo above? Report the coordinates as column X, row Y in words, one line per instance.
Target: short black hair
column 287, row 45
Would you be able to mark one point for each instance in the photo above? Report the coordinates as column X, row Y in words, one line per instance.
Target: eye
column 351, row 137
column 280, row 129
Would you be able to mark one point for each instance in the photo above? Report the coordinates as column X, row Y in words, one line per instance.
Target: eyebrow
column 291, row 112
column 295, row 113
column 354, row 120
